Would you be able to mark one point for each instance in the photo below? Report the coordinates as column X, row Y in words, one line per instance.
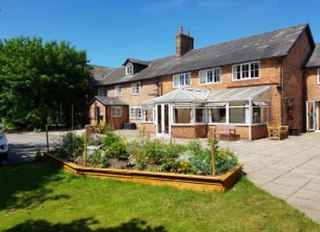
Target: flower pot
column 294, row 131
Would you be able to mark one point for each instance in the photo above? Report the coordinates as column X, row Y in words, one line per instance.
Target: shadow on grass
column 24, row 185
column 134, row 225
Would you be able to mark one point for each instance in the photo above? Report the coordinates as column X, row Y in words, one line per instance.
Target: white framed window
column 318, row 76
column 210, row 76
column 102, row 91
column 135, row 112
column 182, row 115
column 246, row 71
column 129, row 69
column 116, row 111
column 200, row 115
column 118, row 91
column 148, row 114
column 239, row 112
column 218, row 113
column 181, row 80
column 135, row 88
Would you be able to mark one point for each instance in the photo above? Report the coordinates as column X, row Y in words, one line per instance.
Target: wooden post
column 85, row 145
column 47, row 137
column 212, row 145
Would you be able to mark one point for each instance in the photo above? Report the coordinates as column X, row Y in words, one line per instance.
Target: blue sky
column 111, row 31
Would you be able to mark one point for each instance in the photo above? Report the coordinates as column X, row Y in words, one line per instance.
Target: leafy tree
column 40, row 81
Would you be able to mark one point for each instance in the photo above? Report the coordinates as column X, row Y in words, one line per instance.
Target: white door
column 163, row 122
column 311, row 115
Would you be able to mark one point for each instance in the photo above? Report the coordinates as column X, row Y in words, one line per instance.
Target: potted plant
column 291, row 115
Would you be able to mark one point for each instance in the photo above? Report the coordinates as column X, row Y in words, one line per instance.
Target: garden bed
column 192, row 182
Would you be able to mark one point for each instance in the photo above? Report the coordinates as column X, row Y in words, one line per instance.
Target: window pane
column 237, row 115
column 187, row 79
column 254, row 69
column 218, row 115
column 245, row 71
column 256, row 115
column 203, row 77
column 176, row 81
column 200, row 116
column 217, row 75
column 148, row 115
column 236, row 72
column 209, row 76
column 182, row 115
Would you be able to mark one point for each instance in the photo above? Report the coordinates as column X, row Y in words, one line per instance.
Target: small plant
column 72, row 147
column 117, row 150
column 141, row 161
column 98, row 158
column 202, row 161
column 109, row 137
column 225, row 160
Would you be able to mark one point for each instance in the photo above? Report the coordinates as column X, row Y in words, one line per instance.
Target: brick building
column 244, row 83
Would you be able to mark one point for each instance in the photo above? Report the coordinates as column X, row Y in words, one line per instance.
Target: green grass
column 41, row 197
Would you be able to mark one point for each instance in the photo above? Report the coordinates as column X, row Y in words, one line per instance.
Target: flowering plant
column 290, row 109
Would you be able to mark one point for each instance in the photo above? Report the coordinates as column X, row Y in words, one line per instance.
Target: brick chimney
column 184, row 43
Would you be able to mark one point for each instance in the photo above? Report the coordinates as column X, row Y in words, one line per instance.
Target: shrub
column 117, row 150
column 97, row 158
column 176, row 166
column 225, row 160
column 202, row 161
column 141, row 161
column 72, row 146
column 109, row 137
column 157, row 152
column 154, row 151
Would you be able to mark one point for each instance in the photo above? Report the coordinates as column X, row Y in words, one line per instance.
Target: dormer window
column 129, row 69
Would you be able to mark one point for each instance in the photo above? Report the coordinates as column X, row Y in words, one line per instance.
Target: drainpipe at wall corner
column 282, row 91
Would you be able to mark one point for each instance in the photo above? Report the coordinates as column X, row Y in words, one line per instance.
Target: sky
column 112, row 31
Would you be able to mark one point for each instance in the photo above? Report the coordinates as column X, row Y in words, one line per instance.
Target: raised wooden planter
column 192, row 182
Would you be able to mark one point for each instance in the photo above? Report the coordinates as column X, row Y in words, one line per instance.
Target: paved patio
column 288, row 169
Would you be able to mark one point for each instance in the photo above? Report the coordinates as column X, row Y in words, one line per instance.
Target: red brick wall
column 94, row 104
column 293, row 81
column 192, row 131
column 313, row 88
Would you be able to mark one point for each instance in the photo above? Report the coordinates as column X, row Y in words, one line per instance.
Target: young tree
column 38, row 79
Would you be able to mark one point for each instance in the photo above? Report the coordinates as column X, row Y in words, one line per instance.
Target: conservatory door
column 311, row 115
column 163, row 124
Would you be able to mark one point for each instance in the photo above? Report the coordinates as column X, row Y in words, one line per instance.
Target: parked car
column 3, row 147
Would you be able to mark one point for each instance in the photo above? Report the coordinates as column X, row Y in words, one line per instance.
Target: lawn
column 41, row 197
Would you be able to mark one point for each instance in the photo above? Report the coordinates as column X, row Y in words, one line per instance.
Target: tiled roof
column 99, row 72
column 136, row 61
column 267, row 45
column 110, row 100
column 314, row 60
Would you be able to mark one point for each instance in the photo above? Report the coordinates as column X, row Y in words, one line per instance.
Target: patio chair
column 277, row 132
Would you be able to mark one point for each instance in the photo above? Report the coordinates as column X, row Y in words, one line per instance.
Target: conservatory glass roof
column 258, row 93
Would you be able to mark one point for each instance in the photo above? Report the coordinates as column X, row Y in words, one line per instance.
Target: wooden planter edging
column 181, row 181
